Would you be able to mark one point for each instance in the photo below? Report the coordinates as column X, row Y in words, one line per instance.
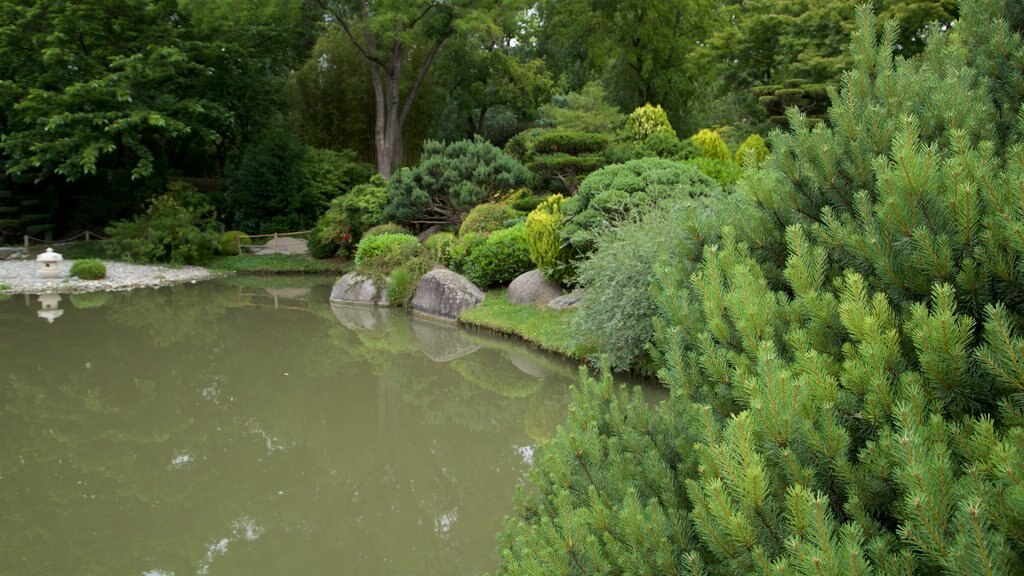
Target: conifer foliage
column 846, row 366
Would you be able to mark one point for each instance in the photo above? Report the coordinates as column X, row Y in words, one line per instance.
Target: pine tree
column 846, row 367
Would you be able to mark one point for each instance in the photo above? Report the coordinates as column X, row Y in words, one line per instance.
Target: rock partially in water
column 444, row 294
column 353, row 288
column 442, row 342
column 533, row 288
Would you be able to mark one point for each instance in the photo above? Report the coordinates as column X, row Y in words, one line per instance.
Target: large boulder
column 444, row 294
column 533, row 288
column 353, row 288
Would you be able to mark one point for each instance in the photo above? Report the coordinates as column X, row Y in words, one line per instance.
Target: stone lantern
column 48, row 264
column 49, row 307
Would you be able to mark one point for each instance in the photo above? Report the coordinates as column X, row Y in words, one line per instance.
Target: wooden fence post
column 87, row 236
column 26, row 241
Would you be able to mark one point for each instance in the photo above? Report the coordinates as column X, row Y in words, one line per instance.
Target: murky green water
column 240, row 428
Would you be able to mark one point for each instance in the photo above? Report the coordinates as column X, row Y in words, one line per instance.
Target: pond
column 246, row 426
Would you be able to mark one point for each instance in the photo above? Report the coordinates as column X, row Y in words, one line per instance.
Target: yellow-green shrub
column 543, row 237
column 711, row 145
column 647, row 120
column 755, row 145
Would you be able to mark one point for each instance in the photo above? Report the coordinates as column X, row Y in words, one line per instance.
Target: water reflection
column 231, row 429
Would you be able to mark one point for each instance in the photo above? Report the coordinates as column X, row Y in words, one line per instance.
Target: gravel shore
column 19, row 277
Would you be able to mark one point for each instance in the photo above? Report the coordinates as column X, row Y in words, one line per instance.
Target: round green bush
column 754, row 144
column 502, row 256
column 438, row 245
column 386, row 228
column 711, row 145
column 89, row 269
column 386, row 251
column 460, row 250
column 486, row 218
column 229, row 241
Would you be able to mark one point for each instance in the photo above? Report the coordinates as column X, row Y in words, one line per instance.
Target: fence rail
column 273, row 238
column 87, row 236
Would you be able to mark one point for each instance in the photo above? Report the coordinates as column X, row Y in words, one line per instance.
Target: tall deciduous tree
column 389, row 34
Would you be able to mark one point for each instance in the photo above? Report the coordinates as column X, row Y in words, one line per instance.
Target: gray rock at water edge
column 568, row 301
column 533, row 288
column 445, row 294
column 355, row 289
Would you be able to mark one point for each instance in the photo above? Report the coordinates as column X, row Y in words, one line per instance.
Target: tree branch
column 422, row 74
column 343, row 22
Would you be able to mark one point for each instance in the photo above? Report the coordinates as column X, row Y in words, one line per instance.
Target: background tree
column 388, row 34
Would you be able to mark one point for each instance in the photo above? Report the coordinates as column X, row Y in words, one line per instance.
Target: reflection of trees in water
column 367, row 443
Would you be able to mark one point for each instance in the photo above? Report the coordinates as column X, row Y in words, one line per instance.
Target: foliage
column 328, row 174
column 438, row 244
column 348, row 217
column 566, row 157
column 755, row 146
column 486, row 218
column 385, row 228
column 459, row 252
column 843, row 365
column 587, row 111
column 544, row 239
column 401, row 284
column 646, row 121
column 573, row 143
column 449, row 180
column 385, row 251
column 89, row 269
column 725, row 172
column 711, row 145
column 178, row 227
column 230, row 241
column 612, row 193
column 615, row 315
column 268, row 193
column 500, row 258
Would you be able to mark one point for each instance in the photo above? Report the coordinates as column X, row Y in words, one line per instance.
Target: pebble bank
column 19, row 277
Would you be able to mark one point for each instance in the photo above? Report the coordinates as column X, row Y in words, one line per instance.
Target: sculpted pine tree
column 845, row 367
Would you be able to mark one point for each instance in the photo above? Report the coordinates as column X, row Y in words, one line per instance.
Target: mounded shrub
column 386, row 228
column 460, row 250
column 439, row 244
column 754, row 144
column 500, row 258
column 544, row 239
column 229, row 242
column 612, row 193
column 89, row 269
column 348, row 217
column 711, row 145
column 725, row 172
column 572, row 143
column 486, row 218
column 386, row 251
column 647, row 120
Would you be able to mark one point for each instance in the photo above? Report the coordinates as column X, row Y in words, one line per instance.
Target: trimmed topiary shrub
column 89, row 269
column 459, row 251
column 572, row 143
column 386, row 251
column 500, row 258
column 647, row 120
column 449, row 180
column 229, row 242
column 486, row 218
column 544, row 239
column 438, row 245
column 711, row 145
column 614, row 192
column 754, row 144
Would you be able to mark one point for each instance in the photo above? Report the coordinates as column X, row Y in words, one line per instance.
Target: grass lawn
column 545, row 328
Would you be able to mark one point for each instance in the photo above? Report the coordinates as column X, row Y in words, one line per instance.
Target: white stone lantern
column 48, row 264
column 49, row 307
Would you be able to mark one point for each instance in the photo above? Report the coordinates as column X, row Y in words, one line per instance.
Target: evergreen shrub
column 267, row 192
column 501, row 257
column 646, row 121
column 460, row 250
column 386, row 228
column 386, row 251
column 572, row 143
column 612, row 193
column 725, row 172
column 438, row 245
column 755, row 145
column 844, row 365
column 89, row 269
column 449, row 180
column 544, row 239
column 711, row 145
column 348, row 217
column 179, row 227
column 486, row 218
